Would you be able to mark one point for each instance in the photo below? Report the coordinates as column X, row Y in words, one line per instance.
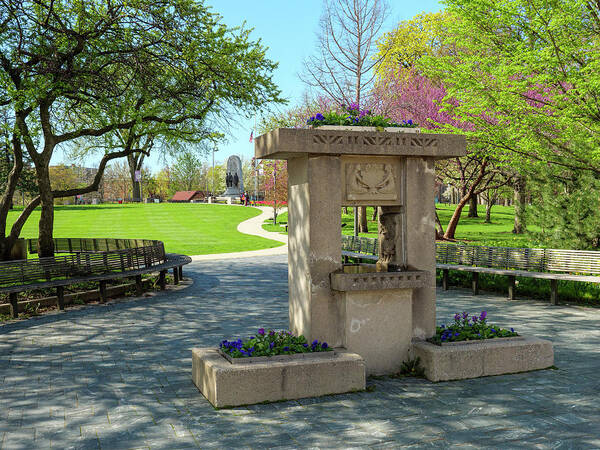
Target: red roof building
column 188, row 196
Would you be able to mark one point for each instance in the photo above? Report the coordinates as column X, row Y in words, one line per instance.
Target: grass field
column 188, row 228
column 470, row 230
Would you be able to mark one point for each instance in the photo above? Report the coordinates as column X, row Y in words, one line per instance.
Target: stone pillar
column 314, row 242
column 420, row 244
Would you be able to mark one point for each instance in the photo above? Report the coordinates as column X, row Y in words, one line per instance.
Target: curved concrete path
column 253, row 227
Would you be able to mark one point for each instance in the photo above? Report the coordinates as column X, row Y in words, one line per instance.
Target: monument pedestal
column 378, row 314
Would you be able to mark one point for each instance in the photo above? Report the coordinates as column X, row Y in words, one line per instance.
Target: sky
column 288, row 28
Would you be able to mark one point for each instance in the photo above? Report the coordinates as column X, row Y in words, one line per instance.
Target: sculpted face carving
column 371, row 181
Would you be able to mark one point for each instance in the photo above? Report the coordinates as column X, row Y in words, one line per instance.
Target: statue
column 234, row 178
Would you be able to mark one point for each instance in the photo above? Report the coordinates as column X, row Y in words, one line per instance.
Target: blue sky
column 288, row 28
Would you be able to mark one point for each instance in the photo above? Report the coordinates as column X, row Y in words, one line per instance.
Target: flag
column 251, row 135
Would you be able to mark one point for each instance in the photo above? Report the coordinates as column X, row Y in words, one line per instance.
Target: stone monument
column 373, row 310
column 375, row 315
column 234, row 177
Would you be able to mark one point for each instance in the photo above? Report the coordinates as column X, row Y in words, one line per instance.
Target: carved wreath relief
column 371, row 181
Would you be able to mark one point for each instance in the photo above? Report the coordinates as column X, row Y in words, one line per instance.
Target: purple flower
column 465, row 315
column 354, row 106
column 271, row 345
column 483, row 315
column 409, row 122
column 320, row 117
column 286, row 349
column 305, row 345
column 271, row 333
column 474, row 319
column 512, row 330
column 456, row 317
column 315, row 342
column 324, row 345
column 493, row 331
column 261, row 331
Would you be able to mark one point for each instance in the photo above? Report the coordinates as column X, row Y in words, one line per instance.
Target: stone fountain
column 372, row 310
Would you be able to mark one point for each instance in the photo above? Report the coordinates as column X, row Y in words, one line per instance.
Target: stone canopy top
column 287, row 143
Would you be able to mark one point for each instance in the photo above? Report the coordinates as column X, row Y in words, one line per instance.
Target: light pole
column 213, row 169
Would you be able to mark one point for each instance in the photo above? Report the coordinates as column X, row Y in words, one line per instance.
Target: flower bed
column 271, row 343
column 465, row 328
column 354, row 116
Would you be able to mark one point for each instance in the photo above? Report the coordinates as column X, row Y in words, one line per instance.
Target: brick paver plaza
column 118, row 376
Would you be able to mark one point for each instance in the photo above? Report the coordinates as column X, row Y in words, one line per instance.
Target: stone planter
column 371, row 129
column 229, row 385
column 278, row 358
column 472, row 359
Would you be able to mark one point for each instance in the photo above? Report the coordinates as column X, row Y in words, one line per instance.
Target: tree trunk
column 439, row 229
column 451, row 228
column 473, row 206
column 375, row 209
column 520, row 204
column 135, row 160
column 488, row 209
column 346, row 210
column 46, row 224
column 363, row 226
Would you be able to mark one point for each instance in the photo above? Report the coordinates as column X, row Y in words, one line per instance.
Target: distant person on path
column 245, row 198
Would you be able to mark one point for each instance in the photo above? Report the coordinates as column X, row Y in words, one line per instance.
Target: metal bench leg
column 60, row 297
column 162, row 280
column 475, row 283
column 175, row 275
column 14, row 305
column 511, row 287
column 103, row 293
column 180, row 272
column 445, row 279
column 554, row 292
column 139, row 288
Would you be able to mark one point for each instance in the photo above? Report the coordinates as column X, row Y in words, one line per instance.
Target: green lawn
column 470, row 230
column 191, row 229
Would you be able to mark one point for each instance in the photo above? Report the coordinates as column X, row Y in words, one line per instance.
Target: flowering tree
column 404, row 91
column 273, row 178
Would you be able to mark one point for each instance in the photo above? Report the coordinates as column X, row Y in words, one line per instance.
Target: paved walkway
column 254, row 227
column 118, row 376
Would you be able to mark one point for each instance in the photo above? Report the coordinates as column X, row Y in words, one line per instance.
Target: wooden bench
column 359, row 248
column 89, row 260
column 545, row 264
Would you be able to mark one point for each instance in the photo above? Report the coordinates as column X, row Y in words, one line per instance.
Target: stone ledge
column 230, row 385
column 286, row 143
column 378, row 280
column 484, row 358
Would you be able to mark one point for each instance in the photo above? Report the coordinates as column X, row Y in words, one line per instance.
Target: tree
column 74, row 70
column 525, row 74
column 116, row 181
column 405, row 91
column 343, row 68
column 186, row 172
column 62, row 178
column 274, row 181
column 568, row 210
